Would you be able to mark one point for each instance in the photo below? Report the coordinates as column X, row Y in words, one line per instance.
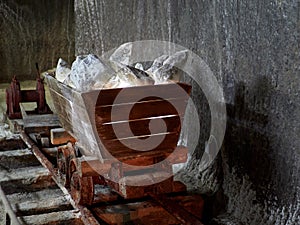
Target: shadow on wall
column 247, row 143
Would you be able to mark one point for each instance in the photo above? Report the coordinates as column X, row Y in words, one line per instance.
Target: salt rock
column 139, row 66
column 127, row 76
column 157, row 63
column 143, row 78
column 122, row 54
column 62, row 70
column 166, row 68
column 89, row 72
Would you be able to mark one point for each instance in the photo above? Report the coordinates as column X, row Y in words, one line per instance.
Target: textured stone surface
column 253, row 49
column 34, row 31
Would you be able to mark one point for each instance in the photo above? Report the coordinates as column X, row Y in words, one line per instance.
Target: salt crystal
column 128, row 76
column 157, row 63
column 139, row 66
column 62, row 70
column 88, row 71
column 166, row 68
column 122, row 54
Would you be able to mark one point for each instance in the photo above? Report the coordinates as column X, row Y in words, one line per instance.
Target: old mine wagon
column 126, row 138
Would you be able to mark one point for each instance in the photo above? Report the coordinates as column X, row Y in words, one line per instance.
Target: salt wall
column 34, row 31
column 253, row 49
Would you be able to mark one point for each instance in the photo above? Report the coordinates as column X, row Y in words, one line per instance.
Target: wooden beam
column 150, row 211
column 177, row 210
column 59, row 136
column 34, row 207
column 27, row 173
column 138, row 211
column 63, row 218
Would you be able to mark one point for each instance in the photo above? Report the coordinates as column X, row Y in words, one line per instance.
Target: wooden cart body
column 154, row 111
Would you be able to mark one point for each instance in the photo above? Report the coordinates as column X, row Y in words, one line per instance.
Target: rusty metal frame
column 8, row 210
column 14, row 96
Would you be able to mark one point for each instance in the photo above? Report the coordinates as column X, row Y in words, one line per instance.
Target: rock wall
column 253, row 49
column 34, row 31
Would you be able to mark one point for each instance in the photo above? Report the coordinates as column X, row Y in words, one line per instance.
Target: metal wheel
column 82, row 189
column 64, row 155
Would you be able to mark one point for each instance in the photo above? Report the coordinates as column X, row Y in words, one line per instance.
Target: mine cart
column 117, row 131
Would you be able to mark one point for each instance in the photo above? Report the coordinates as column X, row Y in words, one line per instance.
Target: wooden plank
column 63, row 106
column 48, row 205
column 104, row 194
column 61, row 103
column 142, row 211
column 15, row 153
column 60, row 88
column 50, row 120
column 129, row 94
column 139, row 127
column 59, row 136
column 137, row 146
column 177, row 210
column 193, row 203
column 52, row 152
column 42, row 195
column 17, row 159
column 140, row 110
column 38, row 123
column 29, row 179
column 59, row 218
column 12, row 144
column 151, row 212
column 152, row 157
column 66, row 124
column 90, row 166
column 28, row 173
column 162, row 183
column 27, row 185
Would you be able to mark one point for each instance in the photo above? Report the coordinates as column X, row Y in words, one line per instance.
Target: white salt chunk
column 122, row 54
column 62, row 70
column 166, row 68
column 89, row 72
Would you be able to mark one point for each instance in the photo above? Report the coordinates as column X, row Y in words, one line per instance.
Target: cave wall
column 34, row 31
column 253, row 49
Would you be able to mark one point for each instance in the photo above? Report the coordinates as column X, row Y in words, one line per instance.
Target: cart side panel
column 73, row 115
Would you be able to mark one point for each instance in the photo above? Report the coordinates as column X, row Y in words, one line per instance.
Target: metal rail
column 93, row 215
column 11, row 217
column 86, row 215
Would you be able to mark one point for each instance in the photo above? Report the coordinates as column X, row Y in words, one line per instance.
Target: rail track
column 32, row 192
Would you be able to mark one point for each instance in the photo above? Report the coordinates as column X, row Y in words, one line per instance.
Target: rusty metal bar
column 13, row 218
column 36, row 151
column 15, row 96
column 87, row 216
